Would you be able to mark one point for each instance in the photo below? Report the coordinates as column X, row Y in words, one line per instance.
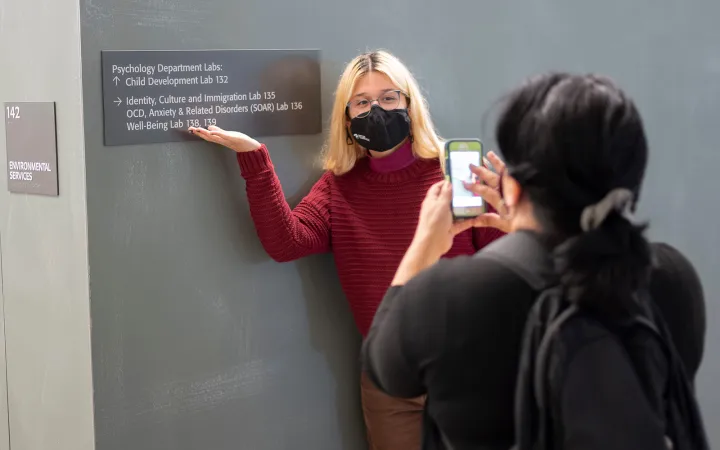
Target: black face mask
column 381, row 130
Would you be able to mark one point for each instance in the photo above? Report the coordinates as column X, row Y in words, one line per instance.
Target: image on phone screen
column 459, row 173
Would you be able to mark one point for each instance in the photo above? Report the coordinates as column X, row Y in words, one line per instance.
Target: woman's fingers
column 216, row 131
column 485, row 172
column 435, row 190
column 490, row 195
column 490, row 220
column 221, row 137
column 496, row 162
column 446, row 191
column 200, row 132
column 461, row 225
column 488, row 177
column 203, row 134
column 486, row 220
column 233, row 140
column 209, row 136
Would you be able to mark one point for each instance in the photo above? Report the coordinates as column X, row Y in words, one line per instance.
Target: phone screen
column 460, row 155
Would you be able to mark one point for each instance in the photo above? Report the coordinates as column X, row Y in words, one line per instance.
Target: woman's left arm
column 409, row 327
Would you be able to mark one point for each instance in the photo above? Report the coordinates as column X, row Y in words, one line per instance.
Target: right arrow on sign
column 118, row 101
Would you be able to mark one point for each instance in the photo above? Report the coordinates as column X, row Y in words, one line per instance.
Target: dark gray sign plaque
column 155, row 96
column 31, row 144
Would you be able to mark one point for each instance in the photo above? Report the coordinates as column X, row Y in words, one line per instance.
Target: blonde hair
column 339, row 157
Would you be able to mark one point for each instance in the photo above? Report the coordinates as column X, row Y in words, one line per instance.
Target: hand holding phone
column 459, row 154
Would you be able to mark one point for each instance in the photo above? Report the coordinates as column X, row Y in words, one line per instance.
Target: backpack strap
column 557, row 321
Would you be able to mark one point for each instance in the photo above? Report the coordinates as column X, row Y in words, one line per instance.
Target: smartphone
column 459, row 154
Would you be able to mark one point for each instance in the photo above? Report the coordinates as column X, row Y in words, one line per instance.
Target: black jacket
column 454, row 333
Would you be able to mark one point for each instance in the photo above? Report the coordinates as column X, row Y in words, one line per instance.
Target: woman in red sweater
column 381, row 157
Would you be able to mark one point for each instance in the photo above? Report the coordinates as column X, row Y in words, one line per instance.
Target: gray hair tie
column 619, row 199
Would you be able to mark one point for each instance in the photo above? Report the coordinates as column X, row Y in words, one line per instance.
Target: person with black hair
column 575, row 154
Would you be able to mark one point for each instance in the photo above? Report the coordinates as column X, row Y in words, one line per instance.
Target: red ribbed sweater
column 366, row 217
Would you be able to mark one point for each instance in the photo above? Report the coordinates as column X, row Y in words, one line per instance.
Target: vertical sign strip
column 31, row 141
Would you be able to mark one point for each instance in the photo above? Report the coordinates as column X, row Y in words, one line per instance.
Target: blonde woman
column 381, row 157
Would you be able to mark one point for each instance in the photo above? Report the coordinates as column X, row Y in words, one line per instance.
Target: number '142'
column 13, row 112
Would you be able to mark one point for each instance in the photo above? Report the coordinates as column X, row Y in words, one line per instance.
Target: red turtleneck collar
column 399, row 159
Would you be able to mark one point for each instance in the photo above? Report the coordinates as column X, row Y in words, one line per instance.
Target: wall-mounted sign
column 31, row 142
column 155, row 96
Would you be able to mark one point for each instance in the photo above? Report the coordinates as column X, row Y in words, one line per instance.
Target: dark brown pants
column 392, row 423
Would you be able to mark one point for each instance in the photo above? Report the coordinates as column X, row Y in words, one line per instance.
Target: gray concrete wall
column 44, row 242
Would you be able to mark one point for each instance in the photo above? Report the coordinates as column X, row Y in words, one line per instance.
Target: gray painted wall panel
column 201, row 341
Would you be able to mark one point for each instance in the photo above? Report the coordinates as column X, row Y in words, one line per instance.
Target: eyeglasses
column 361, row 106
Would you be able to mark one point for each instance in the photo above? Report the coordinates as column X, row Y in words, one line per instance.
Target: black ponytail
column 602, row 269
